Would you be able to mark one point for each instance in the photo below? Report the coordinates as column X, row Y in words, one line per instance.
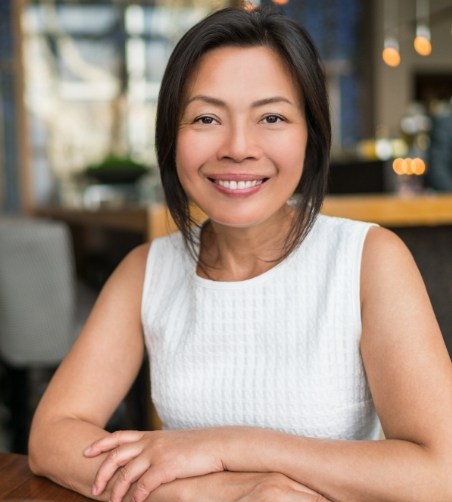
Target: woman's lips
column 237, row 186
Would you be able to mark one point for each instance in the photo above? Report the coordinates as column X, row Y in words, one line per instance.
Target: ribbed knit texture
column 280, row 350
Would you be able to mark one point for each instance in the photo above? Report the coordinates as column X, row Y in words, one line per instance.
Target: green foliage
column 116, row 169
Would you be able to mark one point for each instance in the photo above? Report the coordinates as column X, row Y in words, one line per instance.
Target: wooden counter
column 133, row 219
column 384, row 209
column 392, row 210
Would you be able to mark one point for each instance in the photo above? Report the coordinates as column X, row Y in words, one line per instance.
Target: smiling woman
column 280, row 341
column 291, row 53
column 240, row 158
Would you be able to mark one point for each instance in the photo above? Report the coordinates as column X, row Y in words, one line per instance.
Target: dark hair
column 243, row 28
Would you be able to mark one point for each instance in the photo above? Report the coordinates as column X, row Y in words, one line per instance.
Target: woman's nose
column 240, row 142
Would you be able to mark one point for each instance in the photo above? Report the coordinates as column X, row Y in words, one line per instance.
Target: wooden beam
column 23, row 146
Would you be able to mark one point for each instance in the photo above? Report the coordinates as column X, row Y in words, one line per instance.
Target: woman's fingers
column 116, row 459
column 149, row 481
column 112, row 441
column 151, row 459
column 129, row 474
column 145, row 477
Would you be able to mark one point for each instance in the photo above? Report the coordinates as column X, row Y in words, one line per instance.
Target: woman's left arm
column 410, row 376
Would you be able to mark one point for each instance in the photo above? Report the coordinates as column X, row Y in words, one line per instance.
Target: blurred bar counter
column 392, row 210
column 384, row 209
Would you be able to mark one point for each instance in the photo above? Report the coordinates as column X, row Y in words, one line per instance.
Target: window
column 92, row 73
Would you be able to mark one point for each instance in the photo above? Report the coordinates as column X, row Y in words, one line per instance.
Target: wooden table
column 385, row 209
column 18, row 483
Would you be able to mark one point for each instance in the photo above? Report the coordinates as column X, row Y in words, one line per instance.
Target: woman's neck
column 237, row 254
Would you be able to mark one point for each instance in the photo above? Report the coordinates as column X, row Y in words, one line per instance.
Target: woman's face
column 242, row 137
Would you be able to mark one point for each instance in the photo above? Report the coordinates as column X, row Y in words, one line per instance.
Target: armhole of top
column 358, row 261
column 148, row 271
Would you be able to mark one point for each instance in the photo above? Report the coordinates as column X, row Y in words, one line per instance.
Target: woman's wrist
column 242, row 449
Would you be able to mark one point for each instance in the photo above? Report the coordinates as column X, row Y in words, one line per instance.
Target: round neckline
column 212, row 284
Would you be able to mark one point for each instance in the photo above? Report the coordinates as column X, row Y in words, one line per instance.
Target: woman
column 276, row 337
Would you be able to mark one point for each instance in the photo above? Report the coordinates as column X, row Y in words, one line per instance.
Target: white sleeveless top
column 280, row 350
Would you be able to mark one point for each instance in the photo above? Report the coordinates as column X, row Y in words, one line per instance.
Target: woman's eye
column 204, row 120
column 272, row 119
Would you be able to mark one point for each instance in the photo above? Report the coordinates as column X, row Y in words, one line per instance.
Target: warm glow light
column 391, row 56
column 391, row 51
column 423, row 40
column 280, row 2
column 409, row 166
column 397, row 165
column 418, row 167
column 422, row 45
column 406, row 167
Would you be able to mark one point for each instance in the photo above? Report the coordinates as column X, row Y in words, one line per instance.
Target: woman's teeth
column 238, row 185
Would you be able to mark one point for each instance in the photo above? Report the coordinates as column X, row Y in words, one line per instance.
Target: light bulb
column 423, row 46
column 418, row 167
column 422, row 43
column 391, row 54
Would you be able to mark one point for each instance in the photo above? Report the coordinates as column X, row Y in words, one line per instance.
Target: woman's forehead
column 255, row 70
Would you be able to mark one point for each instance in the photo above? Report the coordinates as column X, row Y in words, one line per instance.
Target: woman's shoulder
column 341, row 225
column 132, row 267
column 334, row 231
column 383, row 249
column 389, row 270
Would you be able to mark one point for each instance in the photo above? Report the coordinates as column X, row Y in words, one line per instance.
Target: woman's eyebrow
column 269, row 101
column 260, row 102
column 207, row 99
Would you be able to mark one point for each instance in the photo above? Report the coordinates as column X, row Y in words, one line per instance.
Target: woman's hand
column 235, row 487
column 153, row 458
column 278, row 487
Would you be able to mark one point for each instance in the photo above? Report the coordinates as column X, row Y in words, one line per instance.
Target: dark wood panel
column 18, row 483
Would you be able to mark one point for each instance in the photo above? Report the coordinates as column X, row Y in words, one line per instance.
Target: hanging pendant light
column 422, row 41
column 391, row 50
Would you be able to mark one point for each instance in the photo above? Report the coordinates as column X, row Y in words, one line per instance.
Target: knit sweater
column 280, row 350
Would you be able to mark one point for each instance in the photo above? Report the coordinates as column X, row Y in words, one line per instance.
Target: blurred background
column 79, row 82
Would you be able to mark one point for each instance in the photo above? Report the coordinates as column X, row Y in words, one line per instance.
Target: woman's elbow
column 36, row 454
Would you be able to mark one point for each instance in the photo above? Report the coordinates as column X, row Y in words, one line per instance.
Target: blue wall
column 9, row 158
column 335, row 27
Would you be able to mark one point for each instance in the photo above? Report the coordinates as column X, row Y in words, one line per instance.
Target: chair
column 39, row 318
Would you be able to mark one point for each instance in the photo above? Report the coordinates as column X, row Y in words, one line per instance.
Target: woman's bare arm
column 91, row 381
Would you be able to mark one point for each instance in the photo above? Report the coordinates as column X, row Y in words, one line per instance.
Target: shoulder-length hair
column 242, row 28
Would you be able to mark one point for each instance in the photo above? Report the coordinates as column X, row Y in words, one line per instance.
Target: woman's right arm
column 91, row 381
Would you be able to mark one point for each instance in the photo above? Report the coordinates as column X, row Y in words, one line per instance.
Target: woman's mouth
column 238, row 185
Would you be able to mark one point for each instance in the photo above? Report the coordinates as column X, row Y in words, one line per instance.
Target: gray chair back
column 37, row 291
